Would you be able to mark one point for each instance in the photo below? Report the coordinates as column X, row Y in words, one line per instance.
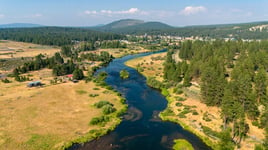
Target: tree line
column 232, row 76
column 57, row 36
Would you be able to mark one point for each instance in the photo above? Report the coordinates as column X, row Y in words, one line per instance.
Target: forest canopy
column 57, row 36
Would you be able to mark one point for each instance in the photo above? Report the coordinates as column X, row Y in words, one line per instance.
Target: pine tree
column 187, row 79
column 78, row 74
column 226, row 140
column 227, row 107
column 261, row 85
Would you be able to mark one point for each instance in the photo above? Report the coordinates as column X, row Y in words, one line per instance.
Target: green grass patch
column 167, row 112
column 44, row 142
column 81, row 92
column 182, row 144
column 164, row 92
column 208, row 131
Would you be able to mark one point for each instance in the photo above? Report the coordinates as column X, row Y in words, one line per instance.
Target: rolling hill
column 130, row 26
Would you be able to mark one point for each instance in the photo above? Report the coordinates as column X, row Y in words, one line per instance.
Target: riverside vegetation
column 218, row 90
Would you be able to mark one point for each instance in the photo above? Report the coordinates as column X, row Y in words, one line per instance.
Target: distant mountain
column 20, row 25
column 126, row 26
column 121, row 24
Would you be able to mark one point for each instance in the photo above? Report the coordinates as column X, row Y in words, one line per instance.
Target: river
column 141, row 128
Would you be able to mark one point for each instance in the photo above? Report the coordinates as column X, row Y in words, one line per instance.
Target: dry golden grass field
column 150, row 66
column 51, row 116
column 120, row 52
column 11, row 49
column 205, row 115
column 48, row 117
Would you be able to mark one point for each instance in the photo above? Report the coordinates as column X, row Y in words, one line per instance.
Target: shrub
column 177, row 91
column 152, row 82
column 195, row 112
column 179, row 104
column 180, row 99
column 255, row 123
column 181, row 115
column 123, row 100
column 93, row 95
column 206, row 117
column 6, row 81
column 100, row 104
column 108, row 109
column 124, row 74
column 99, row 120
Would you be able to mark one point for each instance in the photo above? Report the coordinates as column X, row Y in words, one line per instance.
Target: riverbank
column 186, row 109
column 152, row 67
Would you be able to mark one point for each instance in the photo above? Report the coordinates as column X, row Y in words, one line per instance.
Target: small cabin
column 69, row 76
column 34, row 84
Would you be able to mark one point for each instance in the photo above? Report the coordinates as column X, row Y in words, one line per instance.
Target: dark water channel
column 141, row 128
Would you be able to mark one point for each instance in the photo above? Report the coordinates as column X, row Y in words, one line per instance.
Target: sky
column 96, row 12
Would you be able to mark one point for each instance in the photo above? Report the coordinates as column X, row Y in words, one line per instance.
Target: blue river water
column 141, row 128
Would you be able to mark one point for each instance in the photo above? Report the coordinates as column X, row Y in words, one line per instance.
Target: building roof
column 69, row 75
column 34, row 82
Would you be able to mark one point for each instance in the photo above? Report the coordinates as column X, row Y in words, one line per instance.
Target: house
column 69, row 76
column 34, row 84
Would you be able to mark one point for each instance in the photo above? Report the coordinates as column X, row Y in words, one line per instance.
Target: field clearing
column 120, row 52
column 48, row 117
column 150, row 66
column 12, row 49
column 191, row 98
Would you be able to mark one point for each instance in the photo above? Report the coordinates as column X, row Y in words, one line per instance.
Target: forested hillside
column 55, row 35
column 255, row 30
column 232, row 76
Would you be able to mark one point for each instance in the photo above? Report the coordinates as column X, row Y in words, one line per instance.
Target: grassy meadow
column 52, row 116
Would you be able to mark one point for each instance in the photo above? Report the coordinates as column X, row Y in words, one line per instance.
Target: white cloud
column 2, row 15
column 37, row 15
column 87, row 12
column 110, row 12
column 191, row 10
column 130, row 11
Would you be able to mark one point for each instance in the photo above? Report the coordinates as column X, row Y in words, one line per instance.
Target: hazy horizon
column 92, row 13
